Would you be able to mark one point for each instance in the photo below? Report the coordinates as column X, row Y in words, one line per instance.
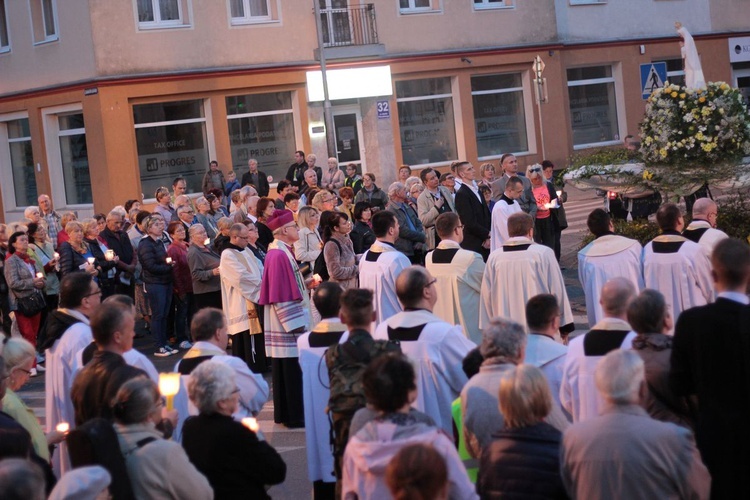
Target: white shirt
column 380, row 277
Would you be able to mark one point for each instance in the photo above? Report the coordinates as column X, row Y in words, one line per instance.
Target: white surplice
column 437, row 354
column 607, row 257
column 241, row 273
column 682, row 276
column 316, row 391
column 513, row 276
column 459, row 284
column 548, row 355
column 578, row 393
column 380, row 277
column 709, row 238
column 60, row 364
column 500, row 214
column 133, row 357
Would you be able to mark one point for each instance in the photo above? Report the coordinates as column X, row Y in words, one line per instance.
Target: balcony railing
column 349, row 26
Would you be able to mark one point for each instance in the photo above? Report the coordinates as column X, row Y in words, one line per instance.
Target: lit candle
column 559, row 193
column 109, row 255
column 57, row 255
column 207, row 242
column 169, row 260
column 62, row 427
column 91, row 260
column 39, row 275
column 317, row 277
column 169, row 385
column 251, row 423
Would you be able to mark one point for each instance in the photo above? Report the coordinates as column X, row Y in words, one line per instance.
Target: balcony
column 349, row 32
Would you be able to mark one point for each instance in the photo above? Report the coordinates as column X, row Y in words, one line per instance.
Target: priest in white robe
column 504, row 207
column 676, row 266
column 381, row 264
column 436, row 348
column 316, row 387
column 459, row 275
column 608, row 256
column 68, row 332
column 702, row 229
column 519, row 270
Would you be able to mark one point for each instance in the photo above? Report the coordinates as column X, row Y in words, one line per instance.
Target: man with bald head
column 47, row 212
column 702, row 229
column 578, row 394
column 436, row 348
column 310, row 183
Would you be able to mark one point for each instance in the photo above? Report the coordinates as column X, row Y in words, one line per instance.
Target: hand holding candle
column 63, row 427
column 207, row 242
column 169, row 260
column 109, row 255
column 39, row 275
column 169, row 385
column 90, row 260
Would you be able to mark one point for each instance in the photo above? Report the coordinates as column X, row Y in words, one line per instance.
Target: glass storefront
column 75, row 159
column 22, row 162
column 593, row 106
column 499, row 115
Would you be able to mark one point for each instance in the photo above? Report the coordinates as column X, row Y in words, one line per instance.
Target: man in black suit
column 296, row 171
column 473, row 211
column 711, row 358
column 256, row 178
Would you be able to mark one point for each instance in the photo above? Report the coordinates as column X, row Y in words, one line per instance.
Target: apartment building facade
column 106, row 100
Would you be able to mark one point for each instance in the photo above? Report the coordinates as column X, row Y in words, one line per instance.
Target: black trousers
column 243, row 345
column 209, row 299
column 287, row 392
column 544, row 232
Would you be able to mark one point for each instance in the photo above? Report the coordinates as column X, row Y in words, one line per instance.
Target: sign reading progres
column 384, row 109
column 653, row 76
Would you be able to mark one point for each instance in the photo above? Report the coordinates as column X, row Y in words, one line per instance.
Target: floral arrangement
column 695, row 127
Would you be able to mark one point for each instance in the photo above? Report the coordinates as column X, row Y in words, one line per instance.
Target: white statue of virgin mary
column 694, row 78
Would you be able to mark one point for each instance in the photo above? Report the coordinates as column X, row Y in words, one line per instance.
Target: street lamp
column 541, row 95
column 327, row 113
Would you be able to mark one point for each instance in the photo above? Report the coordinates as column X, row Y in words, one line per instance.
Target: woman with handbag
column 25, row 282
column 40, row 247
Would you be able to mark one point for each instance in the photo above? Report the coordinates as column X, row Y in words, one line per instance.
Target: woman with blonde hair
column 105, row 266
column 524, row 457
column 486, row 175
column 333, row 177
column 62, row 236
column 222, row 238
column 310, row 244
column 44, row 253
column 75, row 252
column 324, row 201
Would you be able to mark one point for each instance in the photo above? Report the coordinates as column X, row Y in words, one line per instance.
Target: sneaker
column 33, row 372
column 171, row 350
column 40, row 369
column 39, row 358
column 163, row 352
column 185, row 344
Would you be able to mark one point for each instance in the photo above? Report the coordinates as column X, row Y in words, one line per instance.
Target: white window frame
column 46, row 38
column 490, row 5
column 435, row 7
column 4, row 6
column 210, row 137
column 528, row 111
column 249, row 19
column 616, row 80
column 181, row 22
column 588, row 2
column 6, row 170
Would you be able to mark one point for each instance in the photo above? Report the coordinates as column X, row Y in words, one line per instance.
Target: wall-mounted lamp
column 466, row 60
column 642, row 49
column 551, row 53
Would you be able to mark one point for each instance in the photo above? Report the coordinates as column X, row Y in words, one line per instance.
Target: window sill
column 480, row 8
column 593, row 2
column 155, row 27
column 517, row 154
column 5, row 50
column 47, row 40
column 597, row 145
column 254, row 22
column 412, row 12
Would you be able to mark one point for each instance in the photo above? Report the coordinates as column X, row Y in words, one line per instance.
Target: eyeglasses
column 535, row 169
column 98, row 292
column 428, row 285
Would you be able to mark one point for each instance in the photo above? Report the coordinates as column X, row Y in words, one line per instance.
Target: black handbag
column 31, row 305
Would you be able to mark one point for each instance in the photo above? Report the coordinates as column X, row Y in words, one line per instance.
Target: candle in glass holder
column 169, row 260
column 109, row 255
column 39, row 275
column 169, row 386
column 62, row 427
column 207, row 241
column 91, row 260
column 251, row 423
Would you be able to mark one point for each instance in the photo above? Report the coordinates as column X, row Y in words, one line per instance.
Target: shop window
column 493, row 4
column 74, row 159
column 252, row 11
column 499, row 114
column 44, row 20
column 261, row 127
column 593, row 106
column 4, row 37
column 15, row 152
column 172, row 142
column 418, row 6
column 155, row 14
column 426, row 122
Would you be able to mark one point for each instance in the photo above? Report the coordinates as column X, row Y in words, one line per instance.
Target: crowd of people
column 418, row 334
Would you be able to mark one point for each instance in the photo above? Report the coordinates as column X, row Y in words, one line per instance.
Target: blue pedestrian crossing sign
column 653, row 76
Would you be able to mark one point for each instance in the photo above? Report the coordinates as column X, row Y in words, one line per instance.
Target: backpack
column 95, row 443
column 320, row 268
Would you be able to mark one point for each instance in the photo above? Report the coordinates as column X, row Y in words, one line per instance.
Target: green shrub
column 734, row 216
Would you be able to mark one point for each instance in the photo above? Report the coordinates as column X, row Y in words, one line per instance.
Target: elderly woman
column 265, row 209
column 32, row 214
column 526, row 445
column 649, row 317
column 390, row 389
column 310, row 244
column 157, row 281
column 324, row 201
column 205, row 218
column 545, row 198
column 371, row 193
column 362, row 235
column 222, row 238
column 157, row 468
column 236, row 462
column 75, row 252
column 338, row 251
column 182, row 282
column 26, row 284
column 106, row 267
column 333, row 177
column 44, row 253
column 204, row 269
column 19, row 357
column 62, row 236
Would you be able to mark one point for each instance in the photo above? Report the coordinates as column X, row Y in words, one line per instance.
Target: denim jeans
column 160, row 299
column 181, row 320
